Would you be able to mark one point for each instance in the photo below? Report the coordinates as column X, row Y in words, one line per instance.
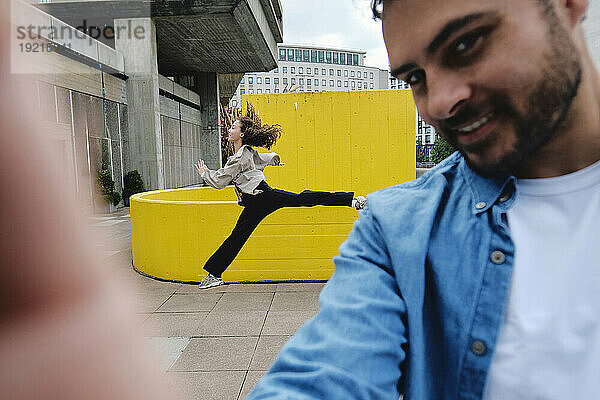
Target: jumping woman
column 245, row 170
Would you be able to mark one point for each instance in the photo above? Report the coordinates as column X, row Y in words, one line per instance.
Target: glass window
column 316, row 82
column 339, row 83
column 258, row 79
column 355, row 59
column 323, row 71
column 267, row 90
column 339, row 72
column 352, row 74
column 331, row 82
column 290, row 55
column 242, row 91
column 298, row 55
column 293, row 81
column 300, row 70
column 250, row 80
column 349, row 59
column 316, row 71
column 346, row 73
column 285, row 81
column 242, row 81
column 276, row 81
column 427, row 139
column 267, row 80
column 359, row 74
column 308, row 81
column 324, row 82
column 308, row 70
column 251, row 91
column 346, row 84
column 276, row 90
column 353, row 84
column 276, row 70
column 285, row 70
column 321, row 56
column 282, row 54
column 371, row 75
column 328, row 57
column 301, row 81
column 336, row 57
column 258, row 90
column 371, row 86
column 342, row 58
column 331, row 71
column 292, row 70
column 313, row 56
column 305, row 55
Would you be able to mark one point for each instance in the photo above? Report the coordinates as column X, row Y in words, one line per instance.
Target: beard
column 547, row 105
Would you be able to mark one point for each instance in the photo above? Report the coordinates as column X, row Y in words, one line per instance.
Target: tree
column 421, row 155
column 441, row 150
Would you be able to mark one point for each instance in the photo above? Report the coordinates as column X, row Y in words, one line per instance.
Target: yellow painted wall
column 357, row 141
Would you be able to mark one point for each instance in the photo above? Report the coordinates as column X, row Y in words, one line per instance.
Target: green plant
column 441, row 150
column 107, row 187
column 132, row 184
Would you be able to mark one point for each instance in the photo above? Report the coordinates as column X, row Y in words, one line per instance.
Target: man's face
column 495, row 77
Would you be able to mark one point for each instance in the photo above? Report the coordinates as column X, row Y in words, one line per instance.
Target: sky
column 347, row 24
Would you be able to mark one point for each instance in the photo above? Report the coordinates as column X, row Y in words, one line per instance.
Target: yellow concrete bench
column 175, row 231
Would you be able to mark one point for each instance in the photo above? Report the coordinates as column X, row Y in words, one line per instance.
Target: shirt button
column 478, row 348
column 480, row 205
column 498, row 257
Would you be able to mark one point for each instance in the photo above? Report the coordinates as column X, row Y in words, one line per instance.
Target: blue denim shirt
column 417, row 298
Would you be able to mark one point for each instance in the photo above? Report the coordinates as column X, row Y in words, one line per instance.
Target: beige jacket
column 243, row 169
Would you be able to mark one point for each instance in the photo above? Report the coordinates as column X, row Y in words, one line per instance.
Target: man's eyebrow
column 453, row 26
column 396, row 72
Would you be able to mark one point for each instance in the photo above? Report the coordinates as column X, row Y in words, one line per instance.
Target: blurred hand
column 201, row 167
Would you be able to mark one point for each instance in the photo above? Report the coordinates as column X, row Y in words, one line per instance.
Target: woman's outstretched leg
column 310, row 198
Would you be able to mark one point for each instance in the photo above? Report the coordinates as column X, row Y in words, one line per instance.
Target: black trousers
column 256, row 208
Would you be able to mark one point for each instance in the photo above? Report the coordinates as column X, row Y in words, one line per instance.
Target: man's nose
column 446, row 92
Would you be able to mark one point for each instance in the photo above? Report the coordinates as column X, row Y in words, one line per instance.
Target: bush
column 107, row 187
column 132, row 184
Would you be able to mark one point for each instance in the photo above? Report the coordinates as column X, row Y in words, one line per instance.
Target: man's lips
column 474, row 130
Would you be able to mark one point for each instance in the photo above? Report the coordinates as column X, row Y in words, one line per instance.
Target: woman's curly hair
column 256, row 133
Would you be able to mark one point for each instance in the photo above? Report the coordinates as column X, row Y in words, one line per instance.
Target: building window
column 339, row 72
column 352, row 74
column 308, row 81
column 324, row 82
column 281, row 54
column 285, row 70
column 301, row 81
column 353, row 84
column 305, row 55
column 339, row 83
column 321, row 56
column 293, row 81
column 258, row 91
column 328, row 57
column 267, row 90
column 267, row 80
column 242, row 81
column 242, row 91
column 331, row 71
column 276, row 90
column 316, row 82
column 290, row 56
column 331, row 83
column 323, row 71
column 298, row 55
column 276, row 70
column 343, row 58
column 345, row 83
column 233, row 102
column 251, row 91
column 345, row 73
column 258, row 79
column 292, row 70
column 359, row 85
column 313, row 56
column 349, row 59
column 308, row 72
column 371, row 75
column 250, row 80
column 316, row 71
column 359, row 74
column 355, row 59
column 371, row 86
column 300, row 70
column 276, row 81
column 285, row 81
column 427, row 139
column 336, row 58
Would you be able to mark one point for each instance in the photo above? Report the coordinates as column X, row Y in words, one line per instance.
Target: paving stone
column 285, row 322
column 296, row 301
column 221, row 385
column 168, row 349
column 251, row 380
column 187, row 288
column 174, row 324
column 300, row 287
column 266, row 351
column 233, row 323
column 251, row 287
column 245, row 301
column 216, row 354
column 146, row 303
column 190, row 302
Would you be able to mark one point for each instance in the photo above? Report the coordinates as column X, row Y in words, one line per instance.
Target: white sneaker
column 210, row 281
column 359, row 202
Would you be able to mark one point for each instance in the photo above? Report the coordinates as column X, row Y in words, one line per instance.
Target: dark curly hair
column 256, row 133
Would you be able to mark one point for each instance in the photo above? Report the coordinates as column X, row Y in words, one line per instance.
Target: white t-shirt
column 549, row 343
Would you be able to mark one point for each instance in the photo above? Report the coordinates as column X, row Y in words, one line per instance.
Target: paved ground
column 214, row 343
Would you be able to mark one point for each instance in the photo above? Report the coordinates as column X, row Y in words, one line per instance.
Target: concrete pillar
column 135, row 38
column 206, row 85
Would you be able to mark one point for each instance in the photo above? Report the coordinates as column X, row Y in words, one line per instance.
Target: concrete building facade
column 313, row 69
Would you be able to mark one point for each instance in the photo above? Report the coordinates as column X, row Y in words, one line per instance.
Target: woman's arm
column 220, row 178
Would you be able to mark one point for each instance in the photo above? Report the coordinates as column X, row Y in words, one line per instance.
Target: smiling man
column 478, row 280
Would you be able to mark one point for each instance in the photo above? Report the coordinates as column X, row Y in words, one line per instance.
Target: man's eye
column 415, row 77
column 467, row 42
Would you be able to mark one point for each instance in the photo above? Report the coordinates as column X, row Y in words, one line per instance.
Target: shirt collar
column 486, row 191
